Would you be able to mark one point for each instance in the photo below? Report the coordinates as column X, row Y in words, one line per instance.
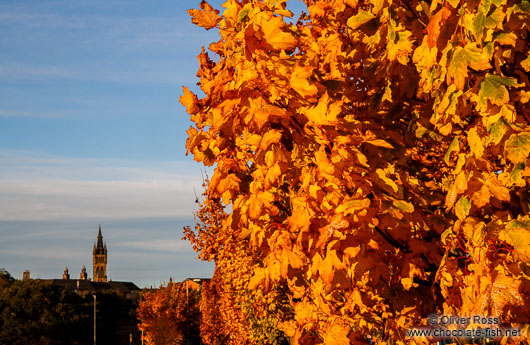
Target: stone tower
column 66, row 275
column 83, row 275
column 99, row 259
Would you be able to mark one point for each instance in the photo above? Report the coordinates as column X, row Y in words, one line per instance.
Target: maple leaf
column 207, row 17
column 324, row 113
column 300, row 83
column 462, row 207
column 505, row 291
column 275, row 36
column 436, row 22
column 337, row 335
column 493, row 88
column 517, row 234
column 189, row 100
column 359, row 19
column 517, row 147
column 469, row 56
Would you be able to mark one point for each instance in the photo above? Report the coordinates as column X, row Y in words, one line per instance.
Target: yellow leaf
column 380, row 143
column 272, row 174
column 482, row 197
column 300, row 83
column 351, row 206
column 404, row 206
column 497, row 189
column 227, row 187
column 324, row 113
column 462, row 208
column 475, row 142
column 389, row 184
column 517, row 147
column 461, row 182
column 189, row 100
column 207, row 17
column 329, row 265
column 401, row 48
column 275, row 36
column 517, row 234
column 407, row 283
column 359, row 19
column 337, row 335
column 257, row 279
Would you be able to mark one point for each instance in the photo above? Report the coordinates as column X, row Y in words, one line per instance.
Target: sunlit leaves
column 300, row 83
column 517, row 147
column 358, row 180
column 275, row 36
column 359, row 19
column 207, row 16
column 493, row 88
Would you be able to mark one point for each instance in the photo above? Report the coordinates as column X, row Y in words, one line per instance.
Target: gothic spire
column 99, row 246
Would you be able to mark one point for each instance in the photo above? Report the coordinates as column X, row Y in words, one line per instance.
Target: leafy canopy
column 374, row 158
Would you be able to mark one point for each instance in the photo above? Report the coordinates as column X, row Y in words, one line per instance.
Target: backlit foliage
column 374, row 156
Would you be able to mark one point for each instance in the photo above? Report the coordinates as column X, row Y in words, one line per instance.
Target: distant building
column 99, row 259
column 83, row 275
column 25, row 275
column 66, row 275
column 83, row 285
column 194, row 283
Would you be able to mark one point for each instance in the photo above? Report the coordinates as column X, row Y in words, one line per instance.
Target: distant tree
column 170, row 315
column 116, row 318
column 32, row 312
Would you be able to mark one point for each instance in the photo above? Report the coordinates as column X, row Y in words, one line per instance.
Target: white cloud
column 40, row 187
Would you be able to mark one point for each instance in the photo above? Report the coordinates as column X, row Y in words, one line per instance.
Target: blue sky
column 91, row 132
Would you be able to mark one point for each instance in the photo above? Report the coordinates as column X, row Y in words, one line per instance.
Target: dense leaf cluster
column 170, row 315
column 374, row 156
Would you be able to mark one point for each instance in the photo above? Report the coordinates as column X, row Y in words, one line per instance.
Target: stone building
column 84, row 285
column 99, row 260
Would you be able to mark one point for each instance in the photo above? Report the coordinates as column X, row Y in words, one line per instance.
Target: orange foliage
column 374, row 156
column 232, row 312
column 169, row 315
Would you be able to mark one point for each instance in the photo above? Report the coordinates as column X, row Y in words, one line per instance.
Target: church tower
column 99, row 259
column 66, row 275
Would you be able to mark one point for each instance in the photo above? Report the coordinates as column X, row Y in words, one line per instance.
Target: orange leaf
column 433, row 29
column 207, row 17
column 275, row 36
column 300, row 83
column 337, row 335
column 189, row 100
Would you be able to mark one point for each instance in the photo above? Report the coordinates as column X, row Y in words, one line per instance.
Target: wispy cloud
column 124, row 47
column 158, row 245
column 40, row 187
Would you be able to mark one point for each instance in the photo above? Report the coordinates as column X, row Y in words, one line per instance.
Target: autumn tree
column 232, row 312
column 373, row 156
column 170, row 315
